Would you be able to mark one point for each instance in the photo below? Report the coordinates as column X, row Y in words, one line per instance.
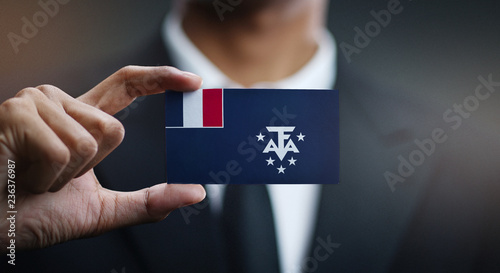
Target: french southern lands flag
column 252, row 136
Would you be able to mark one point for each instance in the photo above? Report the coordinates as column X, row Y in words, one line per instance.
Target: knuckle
column 166, row 69
column 150, row 82
column 87, row 147
column 30, row 92
column 16, row 109
column 48, row 90
column 127, row 69
column 45, row 88
column 126, row 75
column 13, row 104
column 112, row 131
column 59, row 156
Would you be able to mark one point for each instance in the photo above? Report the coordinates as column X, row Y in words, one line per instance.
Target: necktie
column 248, row 226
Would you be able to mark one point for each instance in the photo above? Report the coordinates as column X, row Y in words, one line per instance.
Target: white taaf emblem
column 284, row 146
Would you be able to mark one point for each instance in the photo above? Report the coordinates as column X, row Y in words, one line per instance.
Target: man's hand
column 56, row 140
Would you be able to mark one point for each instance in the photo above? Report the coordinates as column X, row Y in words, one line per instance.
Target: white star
column 270, row 161
column 281, row 169
column 301, row 136
column 292, row 161
column 260, row 137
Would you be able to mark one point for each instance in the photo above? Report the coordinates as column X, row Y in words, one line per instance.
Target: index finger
column 120, row 89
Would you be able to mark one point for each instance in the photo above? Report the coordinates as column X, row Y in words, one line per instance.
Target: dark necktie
column 249, row 230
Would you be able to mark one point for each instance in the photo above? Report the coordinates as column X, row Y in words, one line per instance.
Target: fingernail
column 195, row 78
column 198, row 194
column 189, row 74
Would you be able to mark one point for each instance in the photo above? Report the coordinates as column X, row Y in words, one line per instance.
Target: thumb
column 146, row 205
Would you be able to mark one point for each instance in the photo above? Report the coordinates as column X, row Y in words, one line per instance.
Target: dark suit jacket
column 443, row 217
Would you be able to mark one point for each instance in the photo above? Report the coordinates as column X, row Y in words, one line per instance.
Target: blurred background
column 432, row 49
column 81, row 35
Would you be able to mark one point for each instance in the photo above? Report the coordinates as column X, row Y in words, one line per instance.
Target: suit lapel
column 360, row 220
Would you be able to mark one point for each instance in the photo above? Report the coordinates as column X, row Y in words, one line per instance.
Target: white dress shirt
column 294, row 206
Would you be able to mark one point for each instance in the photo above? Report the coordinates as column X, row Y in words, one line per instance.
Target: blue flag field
column 252, row 136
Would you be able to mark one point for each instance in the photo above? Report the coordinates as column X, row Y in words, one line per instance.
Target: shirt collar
column 319, row 73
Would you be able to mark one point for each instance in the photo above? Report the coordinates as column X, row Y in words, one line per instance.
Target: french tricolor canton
column 199, row 109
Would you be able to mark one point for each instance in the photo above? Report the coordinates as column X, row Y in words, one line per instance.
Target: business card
column 252, row 136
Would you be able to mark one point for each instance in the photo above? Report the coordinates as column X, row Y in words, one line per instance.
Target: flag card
column 252, row 136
